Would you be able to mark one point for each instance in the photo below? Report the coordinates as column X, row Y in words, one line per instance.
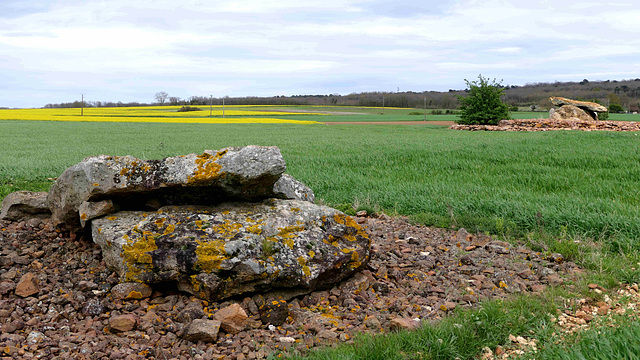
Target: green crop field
column 584, row 183
column 575, row 192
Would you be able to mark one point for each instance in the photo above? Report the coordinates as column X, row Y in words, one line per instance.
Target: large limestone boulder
column 234, row 248
column 24, row 205
column 590, row 108
column 560, row 101
column 572, row 113
column 248, row 173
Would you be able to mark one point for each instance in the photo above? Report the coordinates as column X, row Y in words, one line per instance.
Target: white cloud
column 506, row 50
column 250, row 46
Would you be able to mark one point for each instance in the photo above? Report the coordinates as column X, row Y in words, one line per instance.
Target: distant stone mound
column 575, row 110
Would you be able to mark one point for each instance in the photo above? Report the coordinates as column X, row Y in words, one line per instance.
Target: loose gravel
column 57, row 300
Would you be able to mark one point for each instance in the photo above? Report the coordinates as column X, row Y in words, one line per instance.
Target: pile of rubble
column 551, row 124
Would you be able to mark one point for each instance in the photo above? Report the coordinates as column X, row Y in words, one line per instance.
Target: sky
column 52, row 51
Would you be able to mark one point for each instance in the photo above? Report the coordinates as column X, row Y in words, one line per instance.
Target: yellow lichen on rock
column 210, row 254
column 306, row 270
column 287, row 234
column 255, row 229
column 207, row 169
column 169, row 229
column 135, row 254
column 227, row 230
column 134, row 295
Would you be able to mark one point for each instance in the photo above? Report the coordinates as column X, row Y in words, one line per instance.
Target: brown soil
column 415, row 272
column 444, row 123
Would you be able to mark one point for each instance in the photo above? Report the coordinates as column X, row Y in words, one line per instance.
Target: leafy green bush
column 603, row 116
column 615, row 108
column 483, row 105
column 437, row 112
column 513, row 108
column 416, row 113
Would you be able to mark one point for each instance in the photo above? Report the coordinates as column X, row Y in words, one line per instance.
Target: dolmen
column 219, row 224
column 575, row 110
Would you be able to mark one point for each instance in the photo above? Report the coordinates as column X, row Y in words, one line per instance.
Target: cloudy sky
column 51, row 51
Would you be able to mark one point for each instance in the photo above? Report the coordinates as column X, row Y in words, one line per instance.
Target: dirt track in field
column 444, row 123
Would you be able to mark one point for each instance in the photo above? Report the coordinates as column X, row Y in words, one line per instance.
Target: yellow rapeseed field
column 151, row 114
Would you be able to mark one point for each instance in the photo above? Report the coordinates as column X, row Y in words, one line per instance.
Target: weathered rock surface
column 289, row 188
column 247, row 173
column 233, row 318
column 126, row 322
column 89, row 210
column 202, row 330
column 570, row 112
column 234, row 248
column 575, row 110
column 128, row 291
column 27, row 285
column 24, row 205
column 591, row 106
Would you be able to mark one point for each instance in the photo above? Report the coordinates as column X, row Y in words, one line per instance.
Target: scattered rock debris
column 73, row 307
column 551, row 124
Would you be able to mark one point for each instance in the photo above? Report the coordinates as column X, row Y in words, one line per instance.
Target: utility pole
column 425, row 108
column 223, row 108
column 82, row 106
column 210, row 104
column 383, row 105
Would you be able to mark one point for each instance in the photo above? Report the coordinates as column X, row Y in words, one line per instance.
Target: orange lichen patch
column 227, row 230
column 170, row 228
column 207, row 169
column 255, row 229
column 350, row 223
column 312, row 254
column 355, row 260
column 83, row 216
column 135, row 254
column 195, row 283
column 136, row 295
column 210, row 254
column 306, row 270
column 350, row 238
column 288, row 234
column 302, row 261
column 160, row 222
column 111, row 218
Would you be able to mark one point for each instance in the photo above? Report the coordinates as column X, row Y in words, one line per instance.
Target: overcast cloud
column 127, row 50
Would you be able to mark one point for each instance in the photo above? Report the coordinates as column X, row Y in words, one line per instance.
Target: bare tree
column 161, row 97
column 174, row 100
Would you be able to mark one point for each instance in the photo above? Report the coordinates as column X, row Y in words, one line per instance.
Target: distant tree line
column 623, row 93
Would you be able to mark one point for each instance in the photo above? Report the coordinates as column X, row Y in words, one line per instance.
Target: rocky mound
column 221, row 224
column 59, row 299
column 551, row 124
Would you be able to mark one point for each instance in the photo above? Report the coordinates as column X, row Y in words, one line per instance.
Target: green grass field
column 565, row 189
column 583, row 183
